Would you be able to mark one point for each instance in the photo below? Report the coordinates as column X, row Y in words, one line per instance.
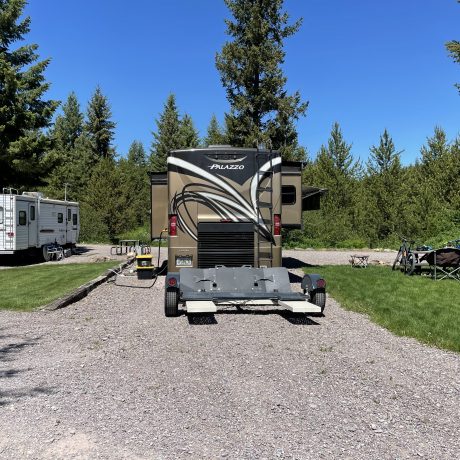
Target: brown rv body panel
column 159, row 204
column 224, row 200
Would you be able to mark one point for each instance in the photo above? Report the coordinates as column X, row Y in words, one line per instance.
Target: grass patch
column 27, row 288
column 412, row 306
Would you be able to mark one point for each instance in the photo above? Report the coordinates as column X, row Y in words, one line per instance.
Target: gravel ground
column 111, row 377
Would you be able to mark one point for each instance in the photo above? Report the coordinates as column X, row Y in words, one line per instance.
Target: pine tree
column 99, row 127
column 383, row 199
column 68, row 126
column 337, row 171
column 136, row 154
column 251, row 73
column 23, row 111
column 102, row 210
column 214, row 134
column 167, row 137
column 453, row 47
column 189, row 137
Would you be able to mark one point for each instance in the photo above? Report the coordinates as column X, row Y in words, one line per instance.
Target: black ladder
column 264, row 187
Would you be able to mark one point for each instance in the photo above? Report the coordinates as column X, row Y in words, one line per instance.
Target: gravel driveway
column 111, row 377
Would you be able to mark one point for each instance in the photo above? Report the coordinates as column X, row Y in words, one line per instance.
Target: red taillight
column 10, row 234
column 277, row 224
column 321, row 284
column 172, row 282
column 173, row 225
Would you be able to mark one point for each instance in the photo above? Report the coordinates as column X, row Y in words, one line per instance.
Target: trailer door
column 33, row 226
column 22, row 225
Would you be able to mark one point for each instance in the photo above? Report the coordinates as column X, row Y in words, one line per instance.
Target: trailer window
column 32, row 213
column 288, row 194
column 60, row 217
column 1, row 215
column 69, row 215
column 74, row 219
column 22, row 218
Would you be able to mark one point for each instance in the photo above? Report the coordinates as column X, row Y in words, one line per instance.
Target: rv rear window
column 32, row 213
column 22, row 218
column 60, row 217
column 74, row 217
column 1, row 215
column 288, row 194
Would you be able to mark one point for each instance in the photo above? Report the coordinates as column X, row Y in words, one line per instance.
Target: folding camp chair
column 444, row 263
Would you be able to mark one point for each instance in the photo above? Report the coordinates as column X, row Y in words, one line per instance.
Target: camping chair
column 444, row 263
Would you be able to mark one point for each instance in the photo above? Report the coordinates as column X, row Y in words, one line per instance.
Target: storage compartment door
column 159, row 204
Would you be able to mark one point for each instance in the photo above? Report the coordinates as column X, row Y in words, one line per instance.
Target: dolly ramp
column 208, row 306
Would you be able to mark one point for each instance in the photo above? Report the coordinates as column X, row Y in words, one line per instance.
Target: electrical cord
column 159, row 271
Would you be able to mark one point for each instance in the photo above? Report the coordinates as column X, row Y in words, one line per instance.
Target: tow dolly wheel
column 171, row 302
column 318, row 297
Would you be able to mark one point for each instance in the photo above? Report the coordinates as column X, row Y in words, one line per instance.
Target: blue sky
column 367, row 64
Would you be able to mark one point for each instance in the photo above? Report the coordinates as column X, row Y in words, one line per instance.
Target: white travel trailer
column 33, row 224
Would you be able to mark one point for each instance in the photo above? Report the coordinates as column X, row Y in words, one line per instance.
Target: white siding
column 49, row 229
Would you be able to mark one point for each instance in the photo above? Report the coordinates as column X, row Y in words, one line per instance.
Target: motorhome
column 224, row 208
column 32, row 224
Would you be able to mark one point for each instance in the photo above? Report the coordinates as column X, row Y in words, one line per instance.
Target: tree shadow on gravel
column 8, row 351
column 12, row 396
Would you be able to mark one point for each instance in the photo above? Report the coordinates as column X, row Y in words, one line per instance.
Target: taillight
column 321, row 284
column 172, row 282
column 277, row 224
column 173, row 225
column 10, row 234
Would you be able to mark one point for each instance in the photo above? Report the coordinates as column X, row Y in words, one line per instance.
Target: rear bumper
column 6, row 252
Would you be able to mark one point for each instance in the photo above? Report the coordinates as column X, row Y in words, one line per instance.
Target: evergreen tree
column 251, row 73
column 136, row 154
column 188, row 135
column 99, row 127
column 102, row 210
column 453, row 47
column 71, row 159
column 68, row 126
column 383, row 194
column 335, row 170
column 135, row 188
column 214, row 133
column 23, row 111
column 167, row 137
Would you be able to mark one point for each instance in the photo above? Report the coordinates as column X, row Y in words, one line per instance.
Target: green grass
column 412, row 306
column 27, row 288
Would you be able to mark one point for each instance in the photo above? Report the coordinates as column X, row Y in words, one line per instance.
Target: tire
column 171, row 302
column 45, row 254
column 397, row 260
column 318, row 297
column 409, row 266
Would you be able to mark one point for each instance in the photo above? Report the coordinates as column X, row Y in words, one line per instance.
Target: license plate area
column 183, row 261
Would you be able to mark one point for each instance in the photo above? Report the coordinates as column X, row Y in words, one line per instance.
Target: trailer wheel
column 318, row 297
column 171, row 302
column 45, row 254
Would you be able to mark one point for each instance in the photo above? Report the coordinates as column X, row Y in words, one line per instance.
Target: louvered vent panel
column 229, row 244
